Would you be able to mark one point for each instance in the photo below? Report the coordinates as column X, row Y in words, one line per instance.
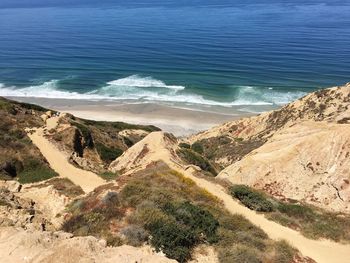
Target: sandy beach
column 179, row 121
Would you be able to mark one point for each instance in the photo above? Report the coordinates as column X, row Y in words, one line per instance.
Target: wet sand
column 179, row 121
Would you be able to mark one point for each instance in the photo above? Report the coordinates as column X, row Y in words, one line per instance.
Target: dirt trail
column 323, row 251
column 58, row 161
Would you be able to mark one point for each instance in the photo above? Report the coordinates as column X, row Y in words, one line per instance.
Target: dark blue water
column 188, row 52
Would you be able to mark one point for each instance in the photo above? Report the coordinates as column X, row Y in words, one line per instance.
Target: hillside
column 270, row 188
column 231, row 141
column 299, row 152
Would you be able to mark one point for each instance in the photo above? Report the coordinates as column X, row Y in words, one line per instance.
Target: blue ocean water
column 183, row 52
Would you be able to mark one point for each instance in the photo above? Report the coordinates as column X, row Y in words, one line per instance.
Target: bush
column 108, row 154
column 113, row 240
column 184, row 145
column 284, row 252
column 194, row 158
column 35, row 170
column 30, row 106
column 241, row 254
column 174, row 240
column 146, row 214
column 135, row 235
column 197, row 147
column 182, row 226
column 65, row 186
column 108, row 176
column 199, row 220
column 5, row 105
column 128, row 142
column 252, row 199
column 120, row 126
column 296, row 210
column 94, row 216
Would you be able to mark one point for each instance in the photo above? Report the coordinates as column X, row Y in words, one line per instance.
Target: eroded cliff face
column 299, row 152
column 307, row 162
column 230, row 142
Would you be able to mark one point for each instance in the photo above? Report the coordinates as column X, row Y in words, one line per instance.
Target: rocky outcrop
column 20, row 212
column 17, row 245
column 37, row 205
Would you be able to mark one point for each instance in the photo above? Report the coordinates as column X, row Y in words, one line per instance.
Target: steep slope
column 59, row 162
column 160, row 147
column 93, row 145
column 20, row 159
column 306, row 156
column 231, row 141
column 307, row 162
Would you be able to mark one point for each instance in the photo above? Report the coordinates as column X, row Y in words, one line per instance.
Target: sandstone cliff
column 299, row 152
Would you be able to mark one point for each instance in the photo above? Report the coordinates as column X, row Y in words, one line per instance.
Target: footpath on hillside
column 322, row 251
column 58, row 161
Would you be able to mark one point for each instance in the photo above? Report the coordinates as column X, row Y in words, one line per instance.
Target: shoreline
column 179, row 121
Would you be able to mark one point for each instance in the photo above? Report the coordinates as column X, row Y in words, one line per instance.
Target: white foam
column 248, row 95
column 46, row 90
column 125, row 90
column 142, row 82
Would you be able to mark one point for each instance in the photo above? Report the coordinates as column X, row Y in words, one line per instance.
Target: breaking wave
column 147, row 89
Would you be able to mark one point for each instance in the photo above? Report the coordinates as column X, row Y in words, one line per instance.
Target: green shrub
column 184, row 145
column 93, row 216
column 30, row 106
column 64, row 186
column 108, row 176
column 194, row 158
column 197, row 147
column 175, row 240
column 35, row 170
column 108, row 154
column 5, row 105
column 128, row 142
column 284, row 252
column 182, row 226
column 113, row 240
column 199, row 220
column 241, row 254
column 120, row 126
column 251, row 198
column 296, row 211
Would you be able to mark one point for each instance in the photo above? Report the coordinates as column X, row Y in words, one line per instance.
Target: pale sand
column 58, row 161
column 179, row 121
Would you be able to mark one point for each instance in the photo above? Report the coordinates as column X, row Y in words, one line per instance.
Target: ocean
column 183, row 53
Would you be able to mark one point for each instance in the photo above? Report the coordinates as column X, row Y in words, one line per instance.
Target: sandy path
column 58, row 161
column 323, row 251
